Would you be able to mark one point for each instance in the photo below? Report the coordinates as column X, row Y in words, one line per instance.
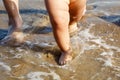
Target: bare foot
column 14, row 37
column 73, row 28
column 66, row 57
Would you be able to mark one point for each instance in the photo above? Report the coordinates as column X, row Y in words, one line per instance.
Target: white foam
column 118, row 75
column 11, row 51
column 107, row 59
column 16, row 65
column 99, row 59
column 90, row 47
column 102, row 10
column 44, row 45
column 65, row 67
column 3, row 56
column 112, row 39
column 85, row 35
column 4, row 66
column 108, row 63
column 32, row 62
column 117, row 68
column 106, row 53
column 20, row 77
column 38, row 75
column 38, row 55
column 107, row 46
column 29, row 43
column 94, row 76
column 18, row 56
column 105, row 3
column 19, row 49
column 109, row 78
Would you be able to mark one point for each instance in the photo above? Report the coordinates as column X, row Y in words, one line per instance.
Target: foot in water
column 66, row 57
column 73, row 28
column 14, row 37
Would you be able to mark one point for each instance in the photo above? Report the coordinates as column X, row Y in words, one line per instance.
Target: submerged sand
column 97, row 45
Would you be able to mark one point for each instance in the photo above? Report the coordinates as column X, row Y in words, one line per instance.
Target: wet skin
column 15, row 22
column 64, row 15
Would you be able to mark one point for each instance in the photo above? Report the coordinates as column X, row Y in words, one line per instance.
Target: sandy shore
column 97, row 45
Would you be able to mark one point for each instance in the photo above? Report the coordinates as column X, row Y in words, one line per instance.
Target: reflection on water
column 97, row 45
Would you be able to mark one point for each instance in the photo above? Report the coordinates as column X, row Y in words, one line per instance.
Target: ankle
column 67, row 51
column 16, row 22
column 72, row 27
column 74, row 24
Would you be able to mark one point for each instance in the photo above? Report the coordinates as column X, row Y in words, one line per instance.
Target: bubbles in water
column 5, row 67
column 39, row 75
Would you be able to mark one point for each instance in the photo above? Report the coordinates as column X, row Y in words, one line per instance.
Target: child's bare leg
column 59, row 16
column 77, row 10
column 15, row 20
column 13, row 13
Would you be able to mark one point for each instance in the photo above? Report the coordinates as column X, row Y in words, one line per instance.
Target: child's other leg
column 15, row 23
column 77, row 9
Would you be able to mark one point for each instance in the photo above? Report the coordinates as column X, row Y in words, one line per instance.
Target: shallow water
column 97, row 45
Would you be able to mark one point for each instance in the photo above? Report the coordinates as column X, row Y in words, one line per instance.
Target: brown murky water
column 97, row 44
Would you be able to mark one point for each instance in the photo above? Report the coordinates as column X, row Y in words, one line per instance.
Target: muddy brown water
column 97, row 45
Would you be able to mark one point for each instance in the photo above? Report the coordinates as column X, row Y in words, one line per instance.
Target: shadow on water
column 52, row 50
column 34, row 30
column 113, row 19
column 44, row 30
column 29, row 30
column 28, row 11
column 3, row 33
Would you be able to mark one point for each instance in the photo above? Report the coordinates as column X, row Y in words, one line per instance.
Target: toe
column 65, row 58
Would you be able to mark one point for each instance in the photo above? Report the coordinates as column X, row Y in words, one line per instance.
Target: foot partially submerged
column 66, row 57
column 73, row 28
column 14, row 37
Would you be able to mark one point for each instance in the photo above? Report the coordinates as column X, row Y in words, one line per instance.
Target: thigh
column 77, row 9
column 58, row 11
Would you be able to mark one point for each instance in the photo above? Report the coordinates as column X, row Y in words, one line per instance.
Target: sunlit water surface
column 97, row 46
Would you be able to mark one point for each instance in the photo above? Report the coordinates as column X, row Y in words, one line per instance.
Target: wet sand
column 97, row 45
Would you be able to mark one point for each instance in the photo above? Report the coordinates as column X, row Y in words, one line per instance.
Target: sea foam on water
column 38, row 75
